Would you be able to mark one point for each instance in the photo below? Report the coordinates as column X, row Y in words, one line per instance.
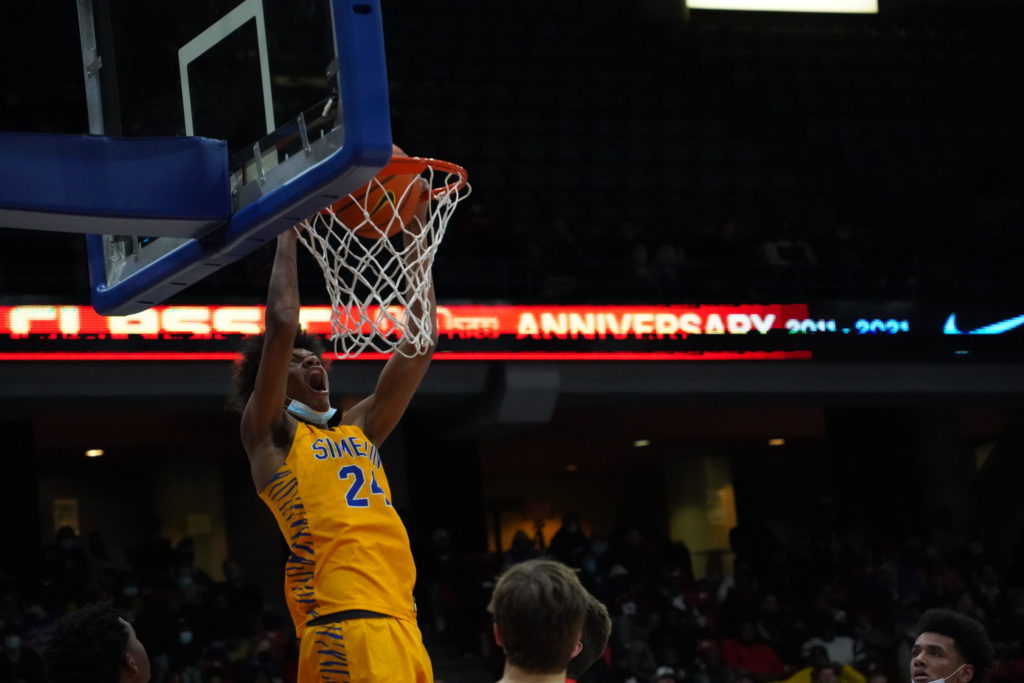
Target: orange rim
column 404, row 165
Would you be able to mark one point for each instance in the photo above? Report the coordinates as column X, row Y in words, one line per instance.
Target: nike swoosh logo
column 386, row 198
column 995, row 328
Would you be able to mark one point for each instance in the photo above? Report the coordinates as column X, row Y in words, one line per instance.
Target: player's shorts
column 363, row 651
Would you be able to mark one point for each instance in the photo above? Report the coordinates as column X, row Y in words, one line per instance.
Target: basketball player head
column 950, row 648
column 94, row 645
column 539, row 607
column 307, row 375
column 597, row 627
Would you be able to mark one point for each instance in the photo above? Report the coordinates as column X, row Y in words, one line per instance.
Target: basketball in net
column 383, row 206
column 376, row 248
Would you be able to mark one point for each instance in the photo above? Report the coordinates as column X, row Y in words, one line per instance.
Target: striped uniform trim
column 330, row 646
column 283, row 492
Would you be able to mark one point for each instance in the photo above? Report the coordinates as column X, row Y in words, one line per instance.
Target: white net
column 376, row 249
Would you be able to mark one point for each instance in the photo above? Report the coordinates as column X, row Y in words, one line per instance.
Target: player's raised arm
column 264, row 414
column 350, row 574
column 378, row 414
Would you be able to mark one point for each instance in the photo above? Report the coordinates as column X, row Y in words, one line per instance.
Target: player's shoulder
column 351, row 429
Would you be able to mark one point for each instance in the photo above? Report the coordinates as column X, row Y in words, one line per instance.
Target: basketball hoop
column 376, row 248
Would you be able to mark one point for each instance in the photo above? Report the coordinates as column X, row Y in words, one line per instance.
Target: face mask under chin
column 303, row 412
column 944, row 680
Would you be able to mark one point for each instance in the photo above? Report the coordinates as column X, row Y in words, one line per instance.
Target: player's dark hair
column 968, row 636
column 248, row 363
column 86, row 646
column 597, row 627
column 539, row 607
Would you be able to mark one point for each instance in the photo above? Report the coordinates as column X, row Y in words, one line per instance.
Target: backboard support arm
column 99, row 69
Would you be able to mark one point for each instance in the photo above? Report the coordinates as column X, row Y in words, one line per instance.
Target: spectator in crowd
column 242, row 601
column 633, row 627
column 774, row 626
column 840, row 648
column 523, row 549
column 819, row 669
column 680, row 621
column 19, row 664
column 668, row 657
column 638, row 553
column 152, row 557
column 107, row 565
column 666, row 674
column 437, row 578
column 988, row 589
column 827, row 674
column 593, row 575
column 871, row 642
column 261, row 661
column 569, row 543
column 739, row 594
column 967, row 605
column 747, row 655
column 709, row 667
column 621, row 670
column 66, row 569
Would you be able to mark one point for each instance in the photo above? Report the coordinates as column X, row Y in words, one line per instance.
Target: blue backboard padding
column 244, row 233
column 167, row 186
column 362, row 82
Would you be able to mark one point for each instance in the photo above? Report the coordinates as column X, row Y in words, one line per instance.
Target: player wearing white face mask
column 350, row 574
column 950, row 648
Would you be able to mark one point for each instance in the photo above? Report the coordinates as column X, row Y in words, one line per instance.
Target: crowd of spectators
column 817, row 607
column 194, row 628
column 565, row 256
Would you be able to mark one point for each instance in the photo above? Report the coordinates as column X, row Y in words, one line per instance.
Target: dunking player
column 350, row 574
column 539, row 607
column 950, row 648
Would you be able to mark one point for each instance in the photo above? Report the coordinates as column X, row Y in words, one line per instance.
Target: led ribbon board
column 847, row 332
column 467, row 332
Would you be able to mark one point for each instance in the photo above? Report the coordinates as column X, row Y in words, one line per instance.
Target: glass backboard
column 297, row 90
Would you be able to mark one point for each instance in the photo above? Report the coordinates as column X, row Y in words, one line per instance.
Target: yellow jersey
column 349, row 548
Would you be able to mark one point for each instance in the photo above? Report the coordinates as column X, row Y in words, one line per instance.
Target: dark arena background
column 731, row 323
